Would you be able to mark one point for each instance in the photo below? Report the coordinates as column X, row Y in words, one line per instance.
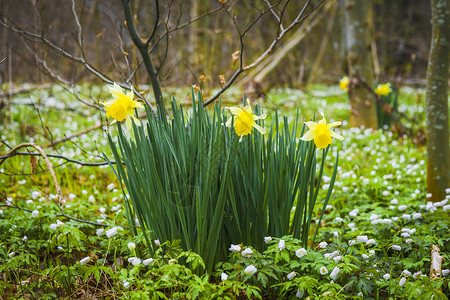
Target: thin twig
column 47, row 162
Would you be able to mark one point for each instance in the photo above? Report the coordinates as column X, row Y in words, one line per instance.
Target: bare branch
column 299, row 18
column 58, row 215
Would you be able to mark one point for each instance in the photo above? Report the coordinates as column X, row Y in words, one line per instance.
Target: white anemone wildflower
column 147, row 261
column 323, row 271
column 299, row 293
column 267, row 239
column 362, row 238
column 371, row 242
column 126, row 283
column 85, row 260
column 111, row 232
column 247, row 252
column 131, row 246
column 34, row 213
column 291, row 275
column 335, row 273
column 223, row 276
column 402, row 281
column 35, row 194
column 301, row 252
column 235, row 248
column 134, row 261
column 251, row 269
column 281, row 244
column 396, row 247
column 323, row 245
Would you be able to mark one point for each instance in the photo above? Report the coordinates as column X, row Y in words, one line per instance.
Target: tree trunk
column 363, row 105
column 438, row 165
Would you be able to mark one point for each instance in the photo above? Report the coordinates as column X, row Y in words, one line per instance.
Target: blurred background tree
column 401, row 34
column 438, row 164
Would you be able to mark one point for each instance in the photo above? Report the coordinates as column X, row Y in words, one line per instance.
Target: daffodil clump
column 244, row 120
column 122, row 106
column 383, row 89
column 321, row 133
column 343, row 83
column 201, row 186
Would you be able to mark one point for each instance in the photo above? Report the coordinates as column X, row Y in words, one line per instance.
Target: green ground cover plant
column 373, row 240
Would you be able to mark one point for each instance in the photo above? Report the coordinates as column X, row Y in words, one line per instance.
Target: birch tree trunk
column 363, row 105
column 438, row 162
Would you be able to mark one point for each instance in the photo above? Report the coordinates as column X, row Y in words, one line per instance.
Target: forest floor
column 378, row 226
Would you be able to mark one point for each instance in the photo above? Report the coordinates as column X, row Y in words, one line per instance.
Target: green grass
column 379, row 173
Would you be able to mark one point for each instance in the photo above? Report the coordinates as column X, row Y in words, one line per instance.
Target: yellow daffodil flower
column 321, row 133
column 343, row 83
column 244, row 121
column 122, row 106
column 383, row 89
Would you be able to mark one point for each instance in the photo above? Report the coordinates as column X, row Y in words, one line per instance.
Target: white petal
column 235, row 110
column 324, row 120
column 130, row 95
column 334, row 124
column 248, row 107
column 335, row 135
column 259, row 128
column 228, row 123
column 137, row 121
column 260, row 117
column 109, row 103
column 116, row 90
column 311, row 125
column 138, row 104
column 128, row 122
column 309, row 135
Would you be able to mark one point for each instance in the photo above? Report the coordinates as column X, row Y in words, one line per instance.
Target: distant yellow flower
column 321, row 133
column 122, row 107
column 244, row 121
column 383, row 89
column 343, row 83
